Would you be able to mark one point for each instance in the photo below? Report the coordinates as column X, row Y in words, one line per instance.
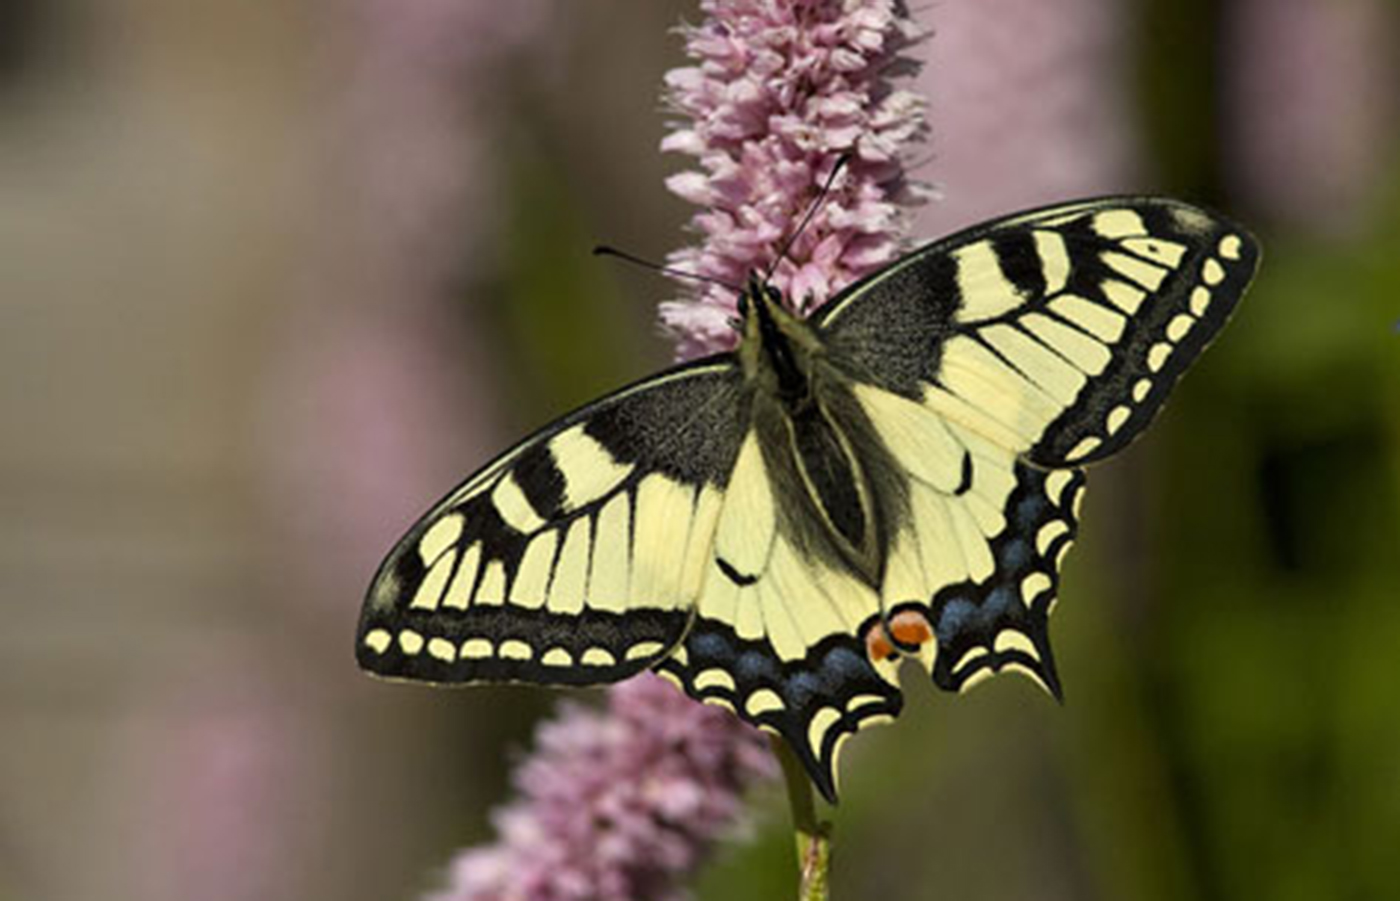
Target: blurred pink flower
column 1034, row 105
column 781, row 89
column 619, row 803
column 368, row 413
column 1310, row 102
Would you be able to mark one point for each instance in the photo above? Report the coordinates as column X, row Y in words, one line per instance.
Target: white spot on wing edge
column 442, row 649
column 515, row 649
column 762, row 701
column 818, row 726
column 1015, row 640
column 410, row 642
column 477, row 649
column 378, row 640
column 1179, row 326
column 643, row 649
column 1033, row 586
column 1048, row 533
column 598, row 657
column 1117, row 417
column 1055, row 484
column 1213, row 272
column 860, row 701
column 1231, row 247
column 1084, row 448
column 714, row 678
column 1157, row 355
column 968, row 659
column 976, row 679
column 1200, row 300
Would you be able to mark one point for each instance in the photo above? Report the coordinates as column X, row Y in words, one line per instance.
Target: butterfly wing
column 575, row 557
column 975, row 564
column 777, row 634
column 1057, row 333
column 993, row 364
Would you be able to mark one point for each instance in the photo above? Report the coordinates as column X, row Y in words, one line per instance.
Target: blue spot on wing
column 801, row 688
column 755, row 667
column 999, row 601
column 710, row 645
column 1015, row 555
column 955, row 617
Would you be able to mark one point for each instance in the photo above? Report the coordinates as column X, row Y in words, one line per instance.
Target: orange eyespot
column 910, row 628
column 877, row 645
column 906, row 631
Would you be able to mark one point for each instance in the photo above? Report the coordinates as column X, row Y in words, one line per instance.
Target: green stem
column 813, row 834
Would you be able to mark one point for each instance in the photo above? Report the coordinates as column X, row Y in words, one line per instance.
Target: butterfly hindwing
column 1058, row 333
column 1000, row 621
column 973, row 570
column 576, row 557
column 815, row 701
column 777, row 632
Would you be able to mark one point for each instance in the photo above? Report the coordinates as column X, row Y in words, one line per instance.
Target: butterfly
column 775, row 528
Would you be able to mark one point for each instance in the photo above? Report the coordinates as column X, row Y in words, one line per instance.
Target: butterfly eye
column 743, row 304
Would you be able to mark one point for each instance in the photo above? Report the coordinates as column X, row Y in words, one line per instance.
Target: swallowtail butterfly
column 775, row 527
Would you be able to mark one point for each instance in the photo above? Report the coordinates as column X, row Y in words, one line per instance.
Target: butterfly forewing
column 1058, row 333
column 576, row 557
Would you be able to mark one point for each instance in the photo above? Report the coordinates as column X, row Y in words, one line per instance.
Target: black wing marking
column 1058, row 332
column 576, row 556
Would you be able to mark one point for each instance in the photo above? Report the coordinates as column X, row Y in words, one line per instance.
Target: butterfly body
column 814, row 441
column 774, row 527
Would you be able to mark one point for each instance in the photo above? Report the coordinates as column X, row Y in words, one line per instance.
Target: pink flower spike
column 617, row 803
column 779, row 91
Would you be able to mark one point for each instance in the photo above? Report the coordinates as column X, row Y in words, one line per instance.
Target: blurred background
column 275, row 275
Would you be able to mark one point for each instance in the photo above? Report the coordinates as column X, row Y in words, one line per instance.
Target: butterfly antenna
column 602, row 250
column 816, row 204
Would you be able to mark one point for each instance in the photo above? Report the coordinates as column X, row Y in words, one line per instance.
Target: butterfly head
column 762, row 314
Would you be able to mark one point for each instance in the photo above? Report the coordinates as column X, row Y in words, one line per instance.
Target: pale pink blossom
column 1034, row 103
column 779, row 91
column 619, row 803
column 1311, row 123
